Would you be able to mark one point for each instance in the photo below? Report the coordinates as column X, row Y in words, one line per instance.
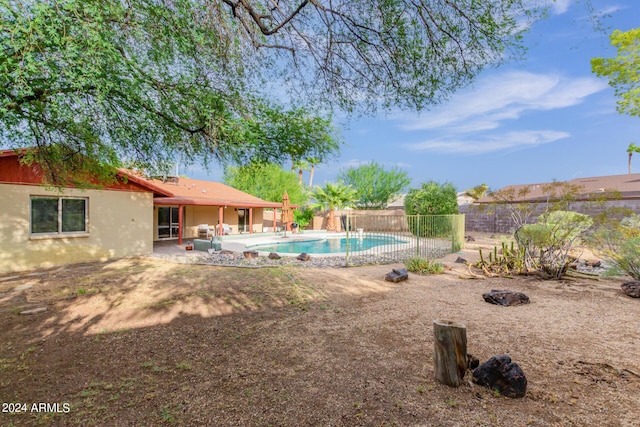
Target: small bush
column 619, row 242
column 424, row 266
column 628, row 258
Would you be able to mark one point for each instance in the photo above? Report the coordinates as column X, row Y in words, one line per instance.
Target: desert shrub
column 628, row 259
column 619, row 243
column 547, row 243
column 424, row 266
column 303, row 217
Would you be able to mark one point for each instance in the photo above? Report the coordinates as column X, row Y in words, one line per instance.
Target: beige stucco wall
column 120, row 224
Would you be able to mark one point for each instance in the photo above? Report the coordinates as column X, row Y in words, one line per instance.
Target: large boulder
column 501, row 375
column 505, row 297
column 632, row 289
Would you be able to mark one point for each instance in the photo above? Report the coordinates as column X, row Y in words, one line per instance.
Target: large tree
column 150, row 81
column 267, row 181
column 375, row 185
column 623, row 71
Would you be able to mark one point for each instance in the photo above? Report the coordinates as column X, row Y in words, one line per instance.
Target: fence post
column 346, row 257
column 418, row 236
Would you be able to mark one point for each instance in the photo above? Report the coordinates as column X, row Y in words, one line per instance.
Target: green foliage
column 267, row 181
column 186, row 80
column 374, row 185
column 628, row 259
column 432, row 198
column 146, row 83
column 424, row 266
column 619, row 242
column 331, row 197
column 623, row 71
column 303, row 217
column 477, row 192
column 548, row 242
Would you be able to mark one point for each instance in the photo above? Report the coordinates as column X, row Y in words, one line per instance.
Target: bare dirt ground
column 148, row 342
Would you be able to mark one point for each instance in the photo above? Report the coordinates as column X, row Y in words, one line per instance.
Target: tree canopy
column 374, row 185
column 432, row 198
column 150, row 81
column 623, row 71
column 267, row 181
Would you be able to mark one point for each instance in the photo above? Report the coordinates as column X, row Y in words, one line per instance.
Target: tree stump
column 450, row 352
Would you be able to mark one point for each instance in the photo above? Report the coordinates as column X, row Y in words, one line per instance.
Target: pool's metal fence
column 405, row 236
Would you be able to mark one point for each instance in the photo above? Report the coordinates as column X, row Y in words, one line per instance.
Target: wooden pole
column 450, row 351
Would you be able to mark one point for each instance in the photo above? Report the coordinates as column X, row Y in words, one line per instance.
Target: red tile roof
column 619, row 186
column 187, row 191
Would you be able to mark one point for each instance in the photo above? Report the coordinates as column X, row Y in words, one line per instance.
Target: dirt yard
column 148, row 342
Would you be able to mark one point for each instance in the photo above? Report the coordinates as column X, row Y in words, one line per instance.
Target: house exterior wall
column 119, row 224
column 490, row 218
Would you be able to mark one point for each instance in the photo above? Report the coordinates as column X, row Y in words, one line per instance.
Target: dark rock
column 596, row 263
column 501, row 375
column 274, row 255
column 397, row 275
column 505, row 297
column 304, row 256
column 461, row 260
column 632, row 289
column 226, row 252
column 472, row 361
column 250, row 254
column 469, row 238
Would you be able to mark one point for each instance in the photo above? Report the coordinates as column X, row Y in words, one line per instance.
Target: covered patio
column 192, row 204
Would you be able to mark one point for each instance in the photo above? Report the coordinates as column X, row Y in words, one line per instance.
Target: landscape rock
column 397, row 275
column 632, row 289
column 304, row 256
column 250, row 254
column 593, row 263
column 500, row 374
column 226, row 252
column 506, row 298
column 469, row 238
column 274, row 255
column 34, row 310
column 461, row 260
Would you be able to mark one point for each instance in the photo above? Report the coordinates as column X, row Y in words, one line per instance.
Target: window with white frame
column 59, row 215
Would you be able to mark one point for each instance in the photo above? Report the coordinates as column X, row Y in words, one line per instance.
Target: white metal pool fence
column 402, row 237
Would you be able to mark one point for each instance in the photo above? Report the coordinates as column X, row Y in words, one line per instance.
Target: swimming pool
column 328, row 245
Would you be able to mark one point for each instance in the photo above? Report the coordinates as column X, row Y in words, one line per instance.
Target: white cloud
column 485, row 144
column 559, row 7
column 505, row 97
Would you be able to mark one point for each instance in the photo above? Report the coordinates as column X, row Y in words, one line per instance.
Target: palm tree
column 331, row 197
column 632, row 148
column 313, row 161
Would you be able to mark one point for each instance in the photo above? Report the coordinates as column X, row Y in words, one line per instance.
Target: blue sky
column 545, row 117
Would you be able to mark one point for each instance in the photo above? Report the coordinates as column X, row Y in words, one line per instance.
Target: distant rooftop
column 621, row 186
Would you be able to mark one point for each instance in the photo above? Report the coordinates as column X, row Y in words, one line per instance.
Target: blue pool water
column 328, row 246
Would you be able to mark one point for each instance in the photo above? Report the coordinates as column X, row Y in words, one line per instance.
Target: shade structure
column 287, row 212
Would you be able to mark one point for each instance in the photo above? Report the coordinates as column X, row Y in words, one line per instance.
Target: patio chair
column 204, row 232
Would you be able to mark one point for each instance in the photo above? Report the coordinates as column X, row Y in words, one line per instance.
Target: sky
column 541, row 118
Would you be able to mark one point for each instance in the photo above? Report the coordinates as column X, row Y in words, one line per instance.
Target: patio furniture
column 205, row 245
column 204, row 232
column 226, row 229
